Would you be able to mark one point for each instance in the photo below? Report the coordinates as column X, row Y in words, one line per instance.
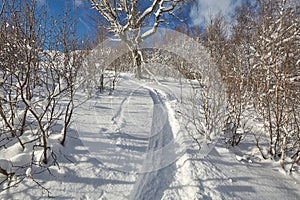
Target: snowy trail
column 156, row 177
column 141, row 137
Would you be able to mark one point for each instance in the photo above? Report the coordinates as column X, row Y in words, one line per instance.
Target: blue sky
column 81, row 9
column 195, row 14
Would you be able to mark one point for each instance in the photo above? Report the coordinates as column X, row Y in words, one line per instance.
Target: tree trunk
column 101, row 86
column 137, row 63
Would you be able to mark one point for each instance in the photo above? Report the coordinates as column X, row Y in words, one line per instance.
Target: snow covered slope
column 133, row 144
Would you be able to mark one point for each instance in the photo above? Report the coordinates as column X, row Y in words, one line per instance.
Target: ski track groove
column 120, row 111
column 149, row 184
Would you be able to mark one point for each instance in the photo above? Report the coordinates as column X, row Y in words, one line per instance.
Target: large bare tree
column 133, row 21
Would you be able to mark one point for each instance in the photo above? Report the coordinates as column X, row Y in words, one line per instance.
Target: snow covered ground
column 132, row 144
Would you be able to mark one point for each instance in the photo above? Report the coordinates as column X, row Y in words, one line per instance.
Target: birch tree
column 274, row 57
column 264, row 51
column 132, row 21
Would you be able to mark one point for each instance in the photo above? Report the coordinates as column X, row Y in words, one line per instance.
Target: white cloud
column 203, row 9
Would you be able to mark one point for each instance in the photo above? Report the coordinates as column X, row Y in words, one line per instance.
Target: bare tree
column 262, row 71
column 37, row 86
column 129, row 21
column 275, row 64
column 226, row 55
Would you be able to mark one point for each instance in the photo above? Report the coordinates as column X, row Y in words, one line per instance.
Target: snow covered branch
column 131, row 22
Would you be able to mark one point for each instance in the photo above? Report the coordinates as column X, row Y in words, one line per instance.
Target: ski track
column 153, row 183
column 118, row 118
column 158, row 169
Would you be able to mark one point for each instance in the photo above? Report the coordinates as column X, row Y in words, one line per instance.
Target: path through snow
column 158, row 167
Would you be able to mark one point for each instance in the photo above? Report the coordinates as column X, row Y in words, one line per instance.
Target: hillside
column 134, row 144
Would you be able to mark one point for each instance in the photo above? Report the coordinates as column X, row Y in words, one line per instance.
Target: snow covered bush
column 260, row 69
column 275, row 64
column 37, row 88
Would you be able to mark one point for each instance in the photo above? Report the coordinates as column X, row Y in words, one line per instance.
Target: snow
column 133, row 144
column 6, row 165
column 28, row 172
